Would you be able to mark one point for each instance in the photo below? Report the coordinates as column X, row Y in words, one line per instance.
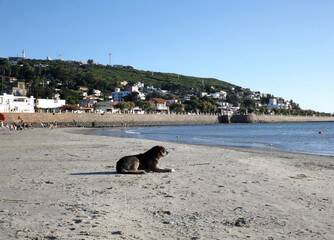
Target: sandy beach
column 62, row 184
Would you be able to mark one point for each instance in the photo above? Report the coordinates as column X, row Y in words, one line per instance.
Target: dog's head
column 159, row 151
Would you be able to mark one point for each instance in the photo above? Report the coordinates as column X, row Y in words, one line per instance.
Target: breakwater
column 252, row 118
column 119, row 120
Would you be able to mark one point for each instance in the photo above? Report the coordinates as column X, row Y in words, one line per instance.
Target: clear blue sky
column 282, row 47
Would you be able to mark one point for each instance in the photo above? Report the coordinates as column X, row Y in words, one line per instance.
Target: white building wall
column 49, row 103
column 118, row 96
column 11, row 103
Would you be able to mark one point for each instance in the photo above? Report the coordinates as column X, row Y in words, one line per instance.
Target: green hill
column 69, row 75
column 45, row 78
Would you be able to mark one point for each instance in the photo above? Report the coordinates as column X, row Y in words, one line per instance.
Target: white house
column 161, row 91
column 87, row 102
column 221, row 95
column 118, row 95
column 171, row 101
column 45, row 105
column 278, row 103
column 97, row 93
column 160, row 104
column 107, row 107
column 140, row 85
column 18, row 104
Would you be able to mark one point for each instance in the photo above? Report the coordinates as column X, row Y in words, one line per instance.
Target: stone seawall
column 111, row 120
column 117, row 120
column 278, row 118
column 271, row 119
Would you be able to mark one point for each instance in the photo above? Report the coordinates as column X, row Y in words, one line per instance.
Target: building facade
column 49, row 105
column 17, row 104
column 117, row 96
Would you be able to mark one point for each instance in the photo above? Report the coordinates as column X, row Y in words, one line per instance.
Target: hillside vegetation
column 70, row 75
column 45, row 78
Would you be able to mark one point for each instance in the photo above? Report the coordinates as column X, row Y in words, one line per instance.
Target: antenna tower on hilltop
column 110, row 59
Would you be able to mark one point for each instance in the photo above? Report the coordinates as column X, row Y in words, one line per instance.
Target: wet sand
column 62, row 184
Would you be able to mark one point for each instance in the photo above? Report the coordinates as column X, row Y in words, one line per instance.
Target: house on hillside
column 171, row 100
column 219, row 95
column 140, row 85
column 160, row 105
column 11, row 79
column 118, row 95
column 83, row 88
column 278, row 103
column 97, row 93
column 135, row 89
column 87, row 103
column 107, row 107
column 20, row 90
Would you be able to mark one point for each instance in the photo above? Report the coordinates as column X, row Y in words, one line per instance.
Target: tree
column 90, row 79
column 90, row 61
column 71, row 96
column 152, row 95
column 192, row 106
column 176, row 107
column 265, row 100
column 232, row 98
column 27, row 72
column 133, row 97
column 208, row 107
column 248, row 103
column 125, row 106
column 5, row 68
column 147, row 105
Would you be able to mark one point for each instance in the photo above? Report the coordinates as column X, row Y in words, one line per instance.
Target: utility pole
column 3, row 71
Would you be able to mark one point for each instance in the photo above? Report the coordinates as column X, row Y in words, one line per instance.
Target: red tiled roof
column 160, row 100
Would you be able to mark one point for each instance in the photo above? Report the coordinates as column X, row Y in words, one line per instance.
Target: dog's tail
column 123, row 171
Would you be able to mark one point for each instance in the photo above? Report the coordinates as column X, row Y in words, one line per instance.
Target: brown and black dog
column 144, row 162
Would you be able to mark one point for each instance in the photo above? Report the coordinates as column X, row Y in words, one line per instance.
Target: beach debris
column 117, row 233
column 299, row 176
column 239, row 222
column 162, row 212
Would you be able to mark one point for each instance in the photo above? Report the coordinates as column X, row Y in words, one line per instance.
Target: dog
column 144, row 162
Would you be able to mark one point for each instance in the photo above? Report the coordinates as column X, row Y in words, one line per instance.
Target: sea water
column 313, row 138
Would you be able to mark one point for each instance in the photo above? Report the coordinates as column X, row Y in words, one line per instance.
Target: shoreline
column 62, row 184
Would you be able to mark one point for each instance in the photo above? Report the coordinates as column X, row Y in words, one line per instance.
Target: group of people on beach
column 55, row 124
column 19, row 125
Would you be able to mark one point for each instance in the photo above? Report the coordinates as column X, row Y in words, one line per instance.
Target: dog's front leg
column 157, row 169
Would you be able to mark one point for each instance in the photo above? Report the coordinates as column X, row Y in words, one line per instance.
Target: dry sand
column 58, row 184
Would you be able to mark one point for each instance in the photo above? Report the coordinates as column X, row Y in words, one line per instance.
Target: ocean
column 312, row 138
